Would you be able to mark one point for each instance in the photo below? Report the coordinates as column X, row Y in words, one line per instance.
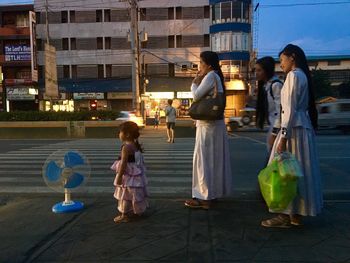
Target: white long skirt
column 212, row 177
column 309, row 200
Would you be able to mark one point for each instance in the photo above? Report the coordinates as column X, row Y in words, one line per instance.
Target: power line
column 305, row 4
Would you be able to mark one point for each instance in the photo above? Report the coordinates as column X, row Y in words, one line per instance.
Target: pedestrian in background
column 212, row 177
column 156, row 119
column 268, row 106
column 297, row 136
column 170, row 113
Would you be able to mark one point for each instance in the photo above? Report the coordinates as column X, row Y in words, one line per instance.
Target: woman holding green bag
column 297, row 136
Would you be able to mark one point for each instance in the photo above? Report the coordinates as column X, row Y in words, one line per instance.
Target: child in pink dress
column 130, row 180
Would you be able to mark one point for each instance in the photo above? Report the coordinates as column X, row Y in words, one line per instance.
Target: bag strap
column 215, row 87
column 273, row 82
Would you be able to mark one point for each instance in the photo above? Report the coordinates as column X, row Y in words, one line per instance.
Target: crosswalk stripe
column 169, row 167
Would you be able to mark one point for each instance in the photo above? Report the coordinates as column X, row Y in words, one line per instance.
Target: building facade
column 231, row 38
column 18, row 58
column 94, row 57
column 337, row 67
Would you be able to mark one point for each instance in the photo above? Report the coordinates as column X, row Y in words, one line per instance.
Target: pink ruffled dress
column 132, row 194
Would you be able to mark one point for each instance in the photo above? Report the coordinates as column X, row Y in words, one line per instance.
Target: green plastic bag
column 288, row 166
column 277, row 191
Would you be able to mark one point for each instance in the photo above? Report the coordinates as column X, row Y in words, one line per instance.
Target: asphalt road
column 169, row 165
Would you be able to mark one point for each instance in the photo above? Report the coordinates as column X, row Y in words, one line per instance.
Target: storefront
column 120, row 101
column 22, row 98
column 160, row 90
column 64, row 103
column 90, row 101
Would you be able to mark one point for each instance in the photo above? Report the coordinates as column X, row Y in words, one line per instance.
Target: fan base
column 74, row 206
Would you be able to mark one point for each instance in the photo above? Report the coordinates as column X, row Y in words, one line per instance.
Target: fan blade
column 74, row 180
column 72, row 159
column 53, row 171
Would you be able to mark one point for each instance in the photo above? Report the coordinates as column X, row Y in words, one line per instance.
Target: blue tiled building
column 231, row 38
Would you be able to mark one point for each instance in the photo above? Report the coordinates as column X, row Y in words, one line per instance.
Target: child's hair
column 132, row 130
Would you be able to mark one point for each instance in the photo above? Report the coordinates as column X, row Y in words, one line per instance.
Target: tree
column 321, row 83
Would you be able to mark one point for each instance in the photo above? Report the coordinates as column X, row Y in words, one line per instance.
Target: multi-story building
column 17, row 59
column 231, row 37
column 94, row 57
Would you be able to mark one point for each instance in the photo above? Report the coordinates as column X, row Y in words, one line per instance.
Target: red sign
column 13, row 82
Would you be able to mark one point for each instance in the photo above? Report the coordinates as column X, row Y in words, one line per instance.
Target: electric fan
column 65, row 171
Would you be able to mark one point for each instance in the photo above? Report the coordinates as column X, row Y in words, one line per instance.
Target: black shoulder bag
column 209, row 107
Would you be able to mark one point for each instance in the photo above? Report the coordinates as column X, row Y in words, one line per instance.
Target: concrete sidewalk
column 170, row 233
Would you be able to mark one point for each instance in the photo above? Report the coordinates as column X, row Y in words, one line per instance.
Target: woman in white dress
column 298, row 121
column 212, row 177
column 268, row 106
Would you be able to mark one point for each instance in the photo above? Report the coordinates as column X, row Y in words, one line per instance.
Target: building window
column 65, row 45
column 66, row 74
column 179, row 41
column 334, row 63
column 171, row 70
column 22, row 20
column 171, row 13
column 171, row 41
column 246, row 12
column 216, row 13
column 39, row 44
column 38, row 17
column 143, row 14
column 73, row 44
column 74, row 71
column 72, row 16
column 107, row 15
column 236, row 11
column 206, row 11
column 99, row 16
column 108, row 71
column 107, row 43
column 99, row 43
column 64, row 16
column 179, row 12
column 206, row 40
column 226, row 12
column 100, row 72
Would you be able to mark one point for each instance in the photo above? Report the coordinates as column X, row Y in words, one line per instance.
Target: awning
column 166, row 84
column 91, row 85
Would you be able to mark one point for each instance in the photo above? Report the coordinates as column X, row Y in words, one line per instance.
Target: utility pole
column 48, row 43
column 47, row 21
column 135, row 49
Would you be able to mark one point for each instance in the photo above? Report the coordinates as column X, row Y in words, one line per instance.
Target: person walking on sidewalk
column 268, row 106
column 297, row 136
column 212, row 177
column 170, row 113
column 130, row 180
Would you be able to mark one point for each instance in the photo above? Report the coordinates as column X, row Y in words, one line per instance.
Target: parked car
column 246, row 118
column 334, row 115
column 130, row 116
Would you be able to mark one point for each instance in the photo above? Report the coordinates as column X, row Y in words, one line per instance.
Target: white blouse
column 206, row 86
column 295, row 102
column 274, row 103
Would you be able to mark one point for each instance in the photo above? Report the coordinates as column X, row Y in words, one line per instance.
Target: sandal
column 277, row 222
column 121, row 219
column 196, row 203
column 296, row 220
